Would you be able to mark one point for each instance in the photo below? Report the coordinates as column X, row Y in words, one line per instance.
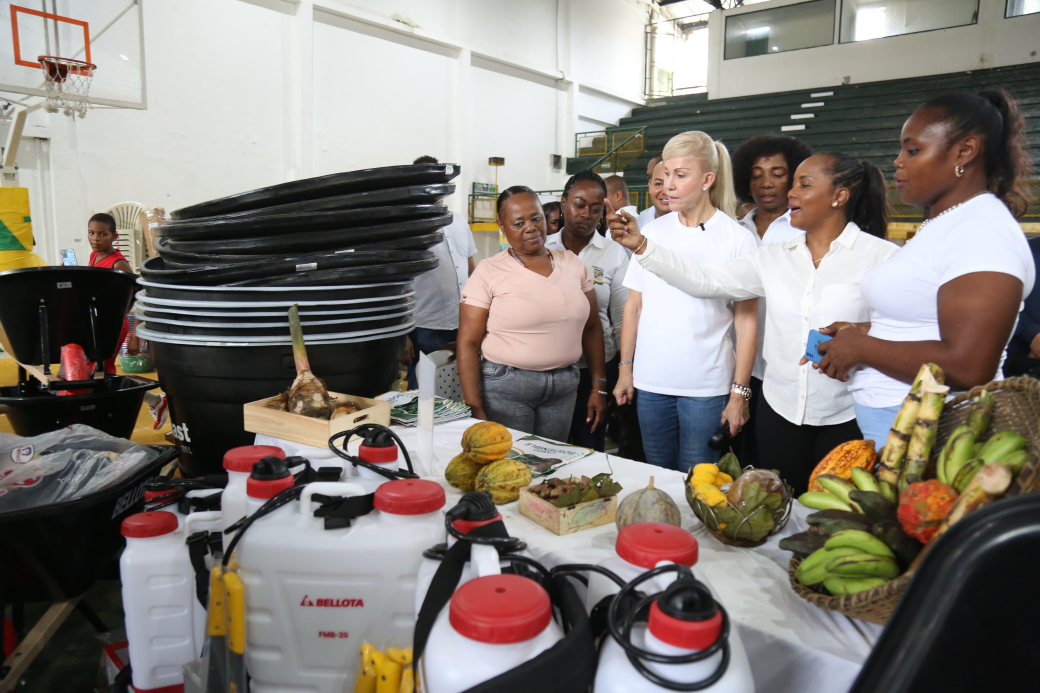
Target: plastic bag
column 65, row 464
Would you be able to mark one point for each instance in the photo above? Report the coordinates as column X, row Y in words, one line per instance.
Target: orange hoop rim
column 58, row 68
column 69, row 62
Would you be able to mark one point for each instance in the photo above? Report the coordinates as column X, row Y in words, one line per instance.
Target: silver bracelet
column 742, row 390
column 605, row 394
column 641, row 245
column 626, row 362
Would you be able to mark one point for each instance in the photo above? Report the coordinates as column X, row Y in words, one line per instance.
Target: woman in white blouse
column 952, row 294
column 840, row 205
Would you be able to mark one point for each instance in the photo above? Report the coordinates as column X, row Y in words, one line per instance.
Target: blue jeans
column 876, row 422
column 676, row 430
column 426, row 341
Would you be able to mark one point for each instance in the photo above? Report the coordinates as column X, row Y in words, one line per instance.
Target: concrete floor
column 71, row 662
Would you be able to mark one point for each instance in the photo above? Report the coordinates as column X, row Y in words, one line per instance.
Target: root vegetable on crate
column 307, row 396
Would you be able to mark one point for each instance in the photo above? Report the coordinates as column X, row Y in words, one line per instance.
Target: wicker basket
column 706, row 514
column 1017, row 406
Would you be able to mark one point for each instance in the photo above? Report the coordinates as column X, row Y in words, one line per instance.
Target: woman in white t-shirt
column 839, row 210
column 952, row 295
column 676, row 350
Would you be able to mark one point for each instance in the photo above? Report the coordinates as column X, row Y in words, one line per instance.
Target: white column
column 301, row 88
column 459, row 128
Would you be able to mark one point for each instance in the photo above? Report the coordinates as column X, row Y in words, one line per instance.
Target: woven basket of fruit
column 862, row 548
column 755, row 505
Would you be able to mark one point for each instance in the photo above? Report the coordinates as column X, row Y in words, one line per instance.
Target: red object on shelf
column 74, row 366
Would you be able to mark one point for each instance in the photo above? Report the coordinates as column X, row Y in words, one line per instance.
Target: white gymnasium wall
column 247, row 93
column 993, row 42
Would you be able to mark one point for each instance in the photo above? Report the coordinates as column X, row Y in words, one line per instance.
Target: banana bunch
column 385, row 672
column 837, row 493
column 850, row 560
column 963, row 457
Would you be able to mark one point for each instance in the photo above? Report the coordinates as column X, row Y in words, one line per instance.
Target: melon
column 648, row 505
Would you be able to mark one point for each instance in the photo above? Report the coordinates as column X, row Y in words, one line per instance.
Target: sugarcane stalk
column 981, row 414
column 922, row 440
column 893, row 454
column 990, row 483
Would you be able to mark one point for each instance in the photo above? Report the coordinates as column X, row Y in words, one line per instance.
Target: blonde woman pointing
column 678, row 360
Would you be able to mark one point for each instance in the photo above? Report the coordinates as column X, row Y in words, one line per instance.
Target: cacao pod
column 503, row 480
column 487, row 441
column 841, row 460
column 462, row 471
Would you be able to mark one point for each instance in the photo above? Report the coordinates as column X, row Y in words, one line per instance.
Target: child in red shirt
column 101, row 233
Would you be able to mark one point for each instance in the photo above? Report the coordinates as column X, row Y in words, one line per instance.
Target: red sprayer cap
column 153, row 524
column 645, row 544
column 500, row 609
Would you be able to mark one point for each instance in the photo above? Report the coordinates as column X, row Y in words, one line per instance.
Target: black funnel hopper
column 971, row 618
column 54, row 306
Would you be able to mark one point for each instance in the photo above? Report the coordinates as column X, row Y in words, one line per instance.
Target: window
column 863, row 20
column 1017, row 8
column 788, row 28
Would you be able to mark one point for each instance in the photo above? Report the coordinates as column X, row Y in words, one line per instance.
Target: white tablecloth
column 793, row 646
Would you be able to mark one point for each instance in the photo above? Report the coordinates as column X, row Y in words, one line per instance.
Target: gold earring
column 959, row 170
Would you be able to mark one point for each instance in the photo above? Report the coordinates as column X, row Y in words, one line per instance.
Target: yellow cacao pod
column 462, row 471
column 841, row 460
column 487, row 441
column 503, row 480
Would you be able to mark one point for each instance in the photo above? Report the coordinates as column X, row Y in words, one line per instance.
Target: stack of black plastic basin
column 345, row 248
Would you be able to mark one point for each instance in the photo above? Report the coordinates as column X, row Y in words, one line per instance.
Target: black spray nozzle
column 688, row 599
column 475, row 506
column 378, row 438
column 270, row 469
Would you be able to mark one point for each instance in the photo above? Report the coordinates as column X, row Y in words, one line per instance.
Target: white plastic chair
column 128, row 223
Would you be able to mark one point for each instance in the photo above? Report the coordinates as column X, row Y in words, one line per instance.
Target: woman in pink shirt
column 526, row 316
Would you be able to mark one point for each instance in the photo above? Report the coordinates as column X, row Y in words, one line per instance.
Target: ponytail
column 868, row 196
column 714, row 158
column 721, row 193
column 995, row 117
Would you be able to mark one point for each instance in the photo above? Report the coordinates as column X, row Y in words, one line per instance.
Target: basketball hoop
column 67, row 84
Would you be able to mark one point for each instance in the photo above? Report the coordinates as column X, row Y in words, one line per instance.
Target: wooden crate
column 570, row 519
column 310, row 431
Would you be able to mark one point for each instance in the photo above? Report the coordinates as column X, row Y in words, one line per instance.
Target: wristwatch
column 742, row 390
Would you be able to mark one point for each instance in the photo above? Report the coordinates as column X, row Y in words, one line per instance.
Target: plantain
column 981, row 414
column 1016, row 461
column 864, row 480
column 838, row 585
column 813, row 570
column 818, row 518
column 838, row 486
column 966, row 474
column 864, row 565
column 803, row 543
column 955, row 455
column 874, row 505
column 818, row 500
column 902, row 544
column 888, row 491
column 864, row 542
column 1001, row 444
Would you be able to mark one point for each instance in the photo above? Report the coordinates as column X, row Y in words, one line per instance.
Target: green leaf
column 590, row 494
column 726, row 514
column 600, row 477
column 753, row 496
column 773, row 500
column 608, row 487
column 754, row 528
column 730, row 465
column 567, row 499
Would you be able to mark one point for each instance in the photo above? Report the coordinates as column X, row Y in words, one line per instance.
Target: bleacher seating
column 861, row 120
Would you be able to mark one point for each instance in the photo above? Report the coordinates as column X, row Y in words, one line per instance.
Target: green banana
column 888, row 491
column 865, row 542
column 838, row 585
column 818, row 500
column 1016, row 460
column 863, row 565
column 813, row 569
column 874, row 505
column 864, row 480
column 838, row 486
column 976, row 449
column 966, row 474
column 1003, row 443
column 959, row 454
column 980, row 415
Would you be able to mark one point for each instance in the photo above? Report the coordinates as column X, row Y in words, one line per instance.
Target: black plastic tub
column 176, row 258
column 328, row 239
column 146, row 310
column 289, row 274
column 257, row 225
column 56, row 552
column 33, row 410
column 207, row 386
column 244, row 308
column 323, row 186
column 407, row 195
column 76, row 298
column 162, row 269
column 274, row 328
column 369, row 292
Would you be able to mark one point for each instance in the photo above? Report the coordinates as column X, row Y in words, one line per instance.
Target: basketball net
column 67, row 83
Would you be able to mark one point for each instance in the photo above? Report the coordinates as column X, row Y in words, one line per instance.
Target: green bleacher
column 861, row 120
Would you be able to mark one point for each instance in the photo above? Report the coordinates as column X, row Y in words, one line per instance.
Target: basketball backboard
column 107, row 33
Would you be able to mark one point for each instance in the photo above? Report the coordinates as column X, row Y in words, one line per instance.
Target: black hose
column 378, row 469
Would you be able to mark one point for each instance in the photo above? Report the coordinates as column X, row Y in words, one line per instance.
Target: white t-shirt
column 646, row 216
column 779, row 231
column 606, row 261
column 437, row 292
column 683, row 347
column 979, row 236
